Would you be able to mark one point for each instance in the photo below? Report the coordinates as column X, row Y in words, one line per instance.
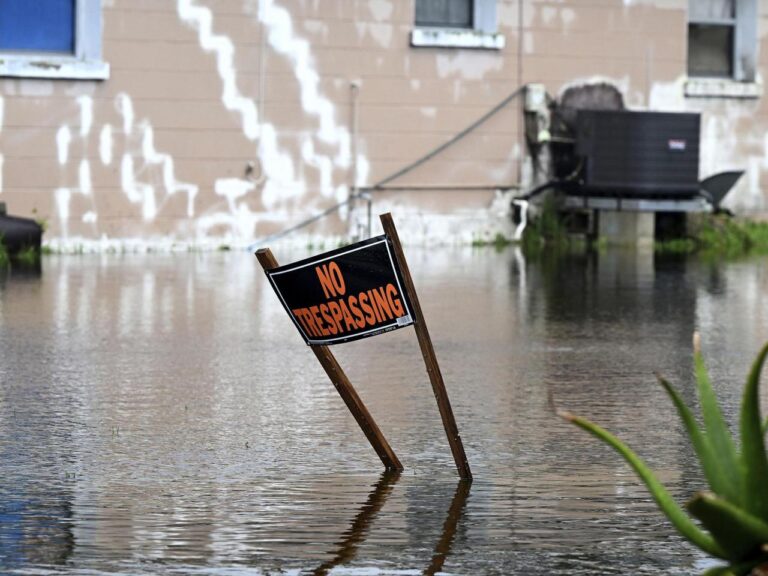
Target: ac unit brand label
column 677, row 144
column 344, row 295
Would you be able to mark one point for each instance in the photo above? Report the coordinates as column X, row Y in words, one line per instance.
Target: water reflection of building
column 38, row 435
column 612, row 319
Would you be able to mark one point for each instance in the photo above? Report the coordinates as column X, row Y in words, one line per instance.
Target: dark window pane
column 444, row 13
column 37, row 25
column 710, row 50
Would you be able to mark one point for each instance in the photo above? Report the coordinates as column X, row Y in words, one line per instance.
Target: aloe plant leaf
column 737, row 531
column 738, row 569
column 716, row 430
column 681, row 521
column 721, row 571
column 729, row 570
column 755, row 462
column 718, row 481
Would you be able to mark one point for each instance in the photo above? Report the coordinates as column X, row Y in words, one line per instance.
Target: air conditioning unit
column 638, row 154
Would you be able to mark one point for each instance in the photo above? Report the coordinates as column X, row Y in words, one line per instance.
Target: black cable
column 303, row 223
column 398, row 174
column 539, row 189
column 456, row 138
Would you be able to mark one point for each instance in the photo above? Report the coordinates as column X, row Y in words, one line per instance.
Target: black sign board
column 344, row 295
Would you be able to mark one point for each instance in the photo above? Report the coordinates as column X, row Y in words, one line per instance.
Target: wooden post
column 428, row 352
column 344, row 388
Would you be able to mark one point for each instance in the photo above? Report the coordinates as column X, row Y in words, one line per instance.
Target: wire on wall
column 380, row 185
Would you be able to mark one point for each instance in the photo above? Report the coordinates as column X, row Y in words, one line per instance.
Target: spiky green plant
column 733, row 514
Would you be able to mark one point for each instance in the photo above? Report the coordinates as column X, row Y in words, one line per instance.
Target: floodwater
column 159, row 414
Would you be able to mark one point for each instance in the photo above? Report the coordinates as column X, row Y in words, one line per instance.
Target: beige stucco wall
column 157, row 154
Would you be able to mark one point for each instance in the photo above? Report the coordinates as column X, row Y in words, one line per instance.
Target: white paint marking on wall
column 63, row 139
column 63, row 196
column 90, row 217
column 765, row 151
column 668, row 96
column 528, row 45
column 506, row 14
column 468, row 66
column 84, row 173
column 381, row 10
column 86, row 114
column 283, row 40
column 232, row 189
column 2, row 160
column 363, row 169
column 279, row 171
column 282, row 183
column 125, row 108
column 381, row 33
column 240, row 220
column 105, row 144
column 35, row 87
column 548, row 15
column 322, row 163
column 166, row 163
column 137, row 192
column 316, row 27
column 127, row 180
column 201, row 19
column 567, row 16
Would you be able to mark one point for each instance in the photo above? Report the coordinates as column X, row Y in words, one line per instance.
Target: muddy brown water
column 160, row 415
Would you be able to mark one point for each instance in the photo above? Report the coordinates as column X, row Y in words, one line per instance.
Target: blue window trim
column 84, row 64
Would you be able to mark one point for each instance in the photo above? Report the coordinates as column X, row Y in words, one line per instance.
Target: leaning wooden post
column 428, row 352
column 344, row 388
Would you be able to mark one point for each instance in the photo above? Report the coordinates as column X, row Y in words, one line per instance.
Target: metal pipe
column 354, row 91
column 430, row 187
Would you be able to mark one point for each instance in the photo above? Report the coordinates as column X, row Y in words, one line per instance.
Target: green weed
column 5, row 259
column 27, row 256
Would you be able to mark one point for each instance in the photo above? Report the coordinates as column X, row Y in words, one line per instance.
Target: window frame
column 744, row 82
column 483, row 34
column 85, row 64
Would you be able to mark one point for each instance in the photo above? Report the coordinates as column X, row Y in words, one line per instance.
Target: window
column 41, row 26
column 722, row 39
column 457, row 24
column 51, row 39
